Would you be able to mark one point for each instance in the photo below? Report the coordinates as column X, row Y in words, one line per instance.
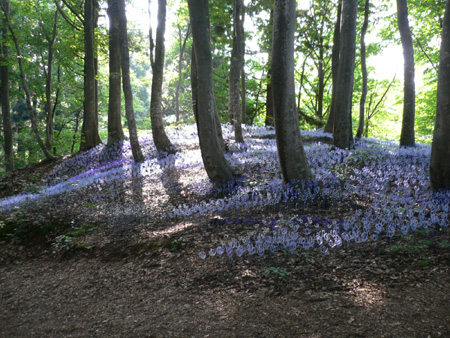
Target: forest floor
column 148, row 281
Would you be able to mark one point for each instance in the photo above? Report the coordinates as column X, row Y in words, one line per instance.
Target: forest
column 225, row 168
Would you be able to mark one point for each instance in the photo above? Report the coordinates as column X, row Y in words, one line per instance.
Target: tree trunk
column 4, row 96
column 125, row 62
column 234, row 101
column 321, row 82
column 243, row 77
column 407, row 137
column 269, row 121
column 115, row 130
column 329, row 127
column 49, row 129
column 440, row 149
column 180, row 70
column 160, row 138
column 300, row 87
column 342, row 133
column 293, row 161
column 194, row 88
column 362, row 101
column 89, row 130
column 217, row 167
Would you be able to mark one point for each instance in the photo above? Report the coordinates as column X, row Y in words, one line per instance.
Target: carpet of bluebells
column 376, row 191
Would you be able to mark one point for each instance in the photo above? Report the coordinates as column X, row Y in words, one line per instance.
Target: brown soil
column 150, row 282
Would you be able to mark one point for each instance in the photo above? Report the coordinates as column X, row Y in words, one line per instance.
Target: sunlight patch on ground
column 168, row 231
column 366, row 294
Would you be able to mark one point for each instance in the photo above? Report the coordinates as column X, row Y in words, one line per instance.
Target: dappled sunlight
column 366, row 294
column 169, row 231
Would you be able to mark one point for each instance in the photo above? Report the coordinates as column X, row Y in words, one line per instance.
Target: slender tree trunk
column 440, row 149
column 89, row 130
column 258, row 93
column 243, row 96
column 343, row 134
column 269, row 101
column 127, row 91
column 4, row 97
column 243, row 77
column 293, row 161
column 49, row 130
column 362, row 102
column 34, row 125
column 74, row 138
column 321, row 82
column 269, row 98
column 180, row 70
column 329, row 127
column 234, row 101
column 217, row 167
column 407, row 136
column 194, row 89
column 160, row 138
column 302, row 77
column 115, row 130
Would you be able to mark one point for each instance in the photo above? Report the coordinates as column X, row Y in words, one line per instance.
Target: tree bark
column 234, row 100
column 362, row 102
column 4, row 94
column 217, row 167
column 160, row 138
column 293, row 161
column 329, row 127
column 115, row 130
column 342, row 133
column 127, row 91
column 407, row 136
column 89, row 129
column 440, row 149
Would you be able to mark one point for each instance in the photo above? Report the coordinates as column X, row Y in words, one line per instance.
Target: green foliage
column 277, row 272
column 70, row 239
column 19, row 226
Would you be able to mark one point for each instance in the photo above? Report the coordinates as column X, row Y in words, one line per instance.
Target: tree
column 316, row 32
column 217, row 167
column 342, row 133
column 4, row 94
column 407, row 137
column 440, row 148
column 28, row 99
column 269, row 121
column 115, row 130
column 48, row 73
column 362, row 101
column 293, row 161
column 160, row 138
column 329, row 127
column 126, row 82
column 182, row 47
column 237, row 60
column 89, row 131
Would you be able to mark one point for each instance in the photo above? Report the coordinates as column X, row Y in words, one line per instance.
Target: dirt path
column 169, row 294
